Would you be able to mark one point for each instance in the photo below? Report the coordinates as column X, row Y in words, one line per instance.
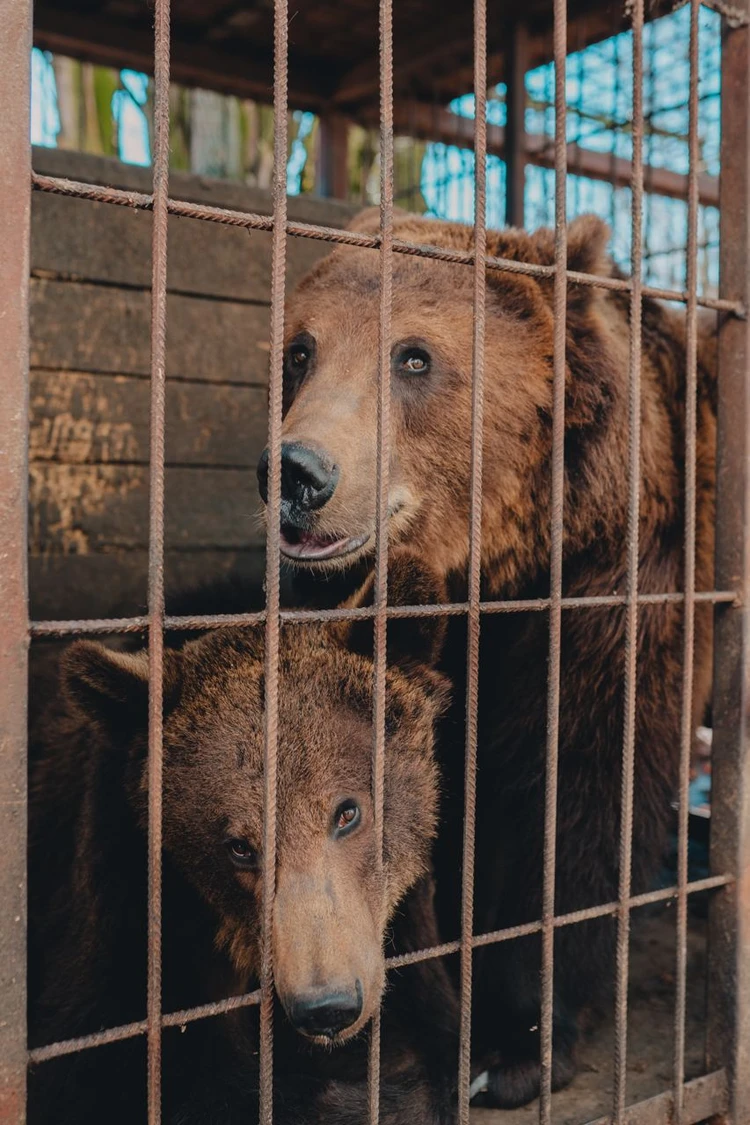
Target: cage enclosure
column 191, row 165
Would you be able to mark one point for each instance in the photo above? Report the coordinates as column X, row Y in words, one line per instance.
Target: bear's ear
column 112, row 687
column 410, row 640
column 588, row 237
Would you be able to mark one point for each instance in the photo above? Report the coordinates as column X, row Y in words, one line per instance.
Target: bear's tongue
column 297, row 544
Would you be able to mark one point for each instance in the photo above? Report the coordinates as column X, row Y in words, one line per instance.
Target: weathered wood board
column 88, row 327
column 83, row 418
column 89, row 391
column 80, row 509
column 115, row 584
column 85, row 241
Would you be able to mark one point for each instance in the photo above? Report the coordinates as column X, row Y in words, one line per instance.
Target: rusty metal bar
column 15, row 200
column 728, row 1033
column 103, row 625
column 219, row 1007
column 273, row 553
column 140, row 1027
column 691, row 424
column 475, row 558
column 156, row 552
column 556, row 559
column 631, row 608
column 381, row 486
column 253, row 221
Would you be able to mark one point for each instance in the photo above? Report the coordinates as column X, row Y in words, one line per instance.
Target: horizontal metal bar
column 220, row 1007
column 649, row 898
column 252, row 221
column 103, row 625
column 140, row 1027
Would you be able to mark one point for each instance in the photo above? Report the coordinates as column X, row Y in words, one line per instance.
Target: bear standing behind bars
column 333, row 912
column 328, row 506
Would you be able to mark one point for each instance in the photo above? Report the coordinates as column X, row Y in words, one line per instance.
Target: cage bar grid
column 726, row 1050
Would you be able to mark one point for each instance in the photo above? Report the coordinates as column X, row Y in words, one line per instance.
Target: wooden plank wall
column 90, row 315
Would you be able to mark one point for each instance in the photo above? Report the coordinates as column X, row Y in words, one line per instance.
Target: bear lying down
column 333, row 913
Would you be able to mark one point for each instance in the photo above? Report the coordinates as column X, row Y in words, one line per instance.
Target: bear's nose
column 326, row 1013
column 307, row 480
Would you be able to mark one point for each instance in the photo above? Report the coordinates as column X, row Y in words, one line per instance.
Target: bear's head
column 333, row 900
column 331, row 396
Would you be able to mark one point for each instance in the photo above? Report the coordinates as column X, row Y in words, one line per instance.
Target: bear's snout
column 326, row 1014
column 308, row 479
column 329, row 969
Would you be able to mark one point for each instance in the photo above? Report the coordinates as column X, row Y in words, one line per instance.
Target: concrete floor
column 650, row 1030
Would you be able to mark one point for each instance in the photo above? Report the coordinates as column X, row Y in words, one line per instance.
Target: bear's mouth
column 298, row 544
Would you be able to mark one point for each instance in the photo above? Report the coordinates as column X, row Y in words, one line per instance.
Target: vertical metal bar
column 156, row 547
column 631, row 610
column 273, row 556
column 475, row 553
column 728, row 1034
column 691, row 406
column 515, row 130
column 15, row 207
column 556, row 555
column 382, row 483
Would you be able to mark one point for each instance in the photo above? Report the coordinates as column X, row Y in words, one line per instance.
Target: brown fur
column 333, row 410
column 333, row 910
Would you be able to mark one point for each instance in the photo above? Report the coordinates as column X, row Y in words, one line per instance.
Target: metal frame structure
column 725, row 1090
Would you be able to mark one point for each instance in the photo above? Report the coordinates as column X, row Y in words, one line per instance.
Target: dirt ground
column 650, row 1029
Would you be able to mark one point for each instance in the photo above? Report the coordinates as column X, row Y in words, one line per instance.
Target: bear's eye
column 299, row 356
column 241, row 852
column 346, row 818
column 413, row 361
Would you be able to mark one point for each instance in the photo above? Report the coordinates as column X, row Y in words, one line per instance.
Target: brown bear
column 333, row 916
column 327, row 522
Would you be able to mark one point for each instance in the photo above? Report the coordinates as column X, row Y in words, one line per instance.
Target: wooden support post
column 515, row 130
column 332, row 156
